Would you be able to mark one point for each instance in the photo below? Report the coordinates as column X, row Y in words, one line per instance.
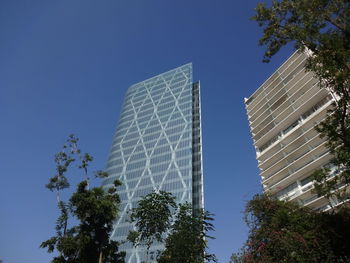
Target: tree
column 323, row 28
column 237, row 257
column 152, row 218
column 281, row 231
column 187, row 240
column 94, row 209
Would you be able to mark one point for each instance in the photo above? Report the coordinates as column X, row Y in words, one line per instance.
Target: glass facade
column 157, row 146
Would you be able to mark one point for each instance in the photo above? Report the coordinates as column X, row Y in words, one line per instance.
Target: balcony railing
column 292, row 171
column 254, row 99
column 282, row 101
column 268, row 98
column 301, row 118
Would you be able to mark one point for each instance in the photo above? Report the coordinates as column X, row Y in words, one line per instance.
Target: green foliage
column 322, row 27
column 94, row 210
column 152, row 218
column 323, row 186
column 187, row 235
column 187, row 241
column 336, row 128
column 237, row 258
column 282, row 231
column 59, row 181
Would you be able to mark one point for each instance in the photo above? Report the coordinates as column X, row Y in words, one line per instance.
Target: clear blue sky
column 64, row 68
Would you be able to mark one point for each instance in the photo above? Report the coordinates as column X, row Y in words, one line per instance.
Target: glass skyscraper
column 157, row 146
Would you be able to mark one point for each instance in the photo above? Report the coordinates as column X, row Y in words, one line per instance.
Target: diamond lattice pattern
column 152, row 147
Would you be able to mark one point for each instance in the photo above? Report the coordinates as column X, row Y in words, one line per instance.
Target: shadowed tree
column 184, row 233
column 281, row 231
column 187, row 240
column 152, row 219
column 94, row 211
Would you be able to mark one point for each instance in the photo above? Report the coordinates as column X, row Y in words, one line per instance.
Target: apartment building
column 282, row 114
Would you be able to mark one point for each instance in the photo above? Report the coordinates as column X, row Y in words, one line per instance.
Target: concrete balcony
column 309, row 120
column 292, row 162
column 277, row 116
column 273, row 80
column 296, row 170
column 275, row 98
column 304, row 105
column 295, row 141
column 291, row 154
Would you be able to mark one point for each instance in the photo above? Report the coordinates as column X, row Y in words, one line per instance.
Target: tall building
column 282, row 114
column 157, row 146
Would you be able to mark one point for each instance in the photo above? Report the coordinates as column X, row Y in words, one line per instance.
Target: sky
column 65, row 67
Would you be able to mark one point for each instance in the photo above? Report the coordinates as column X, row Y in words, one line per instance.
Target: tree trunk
column 58, row 196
